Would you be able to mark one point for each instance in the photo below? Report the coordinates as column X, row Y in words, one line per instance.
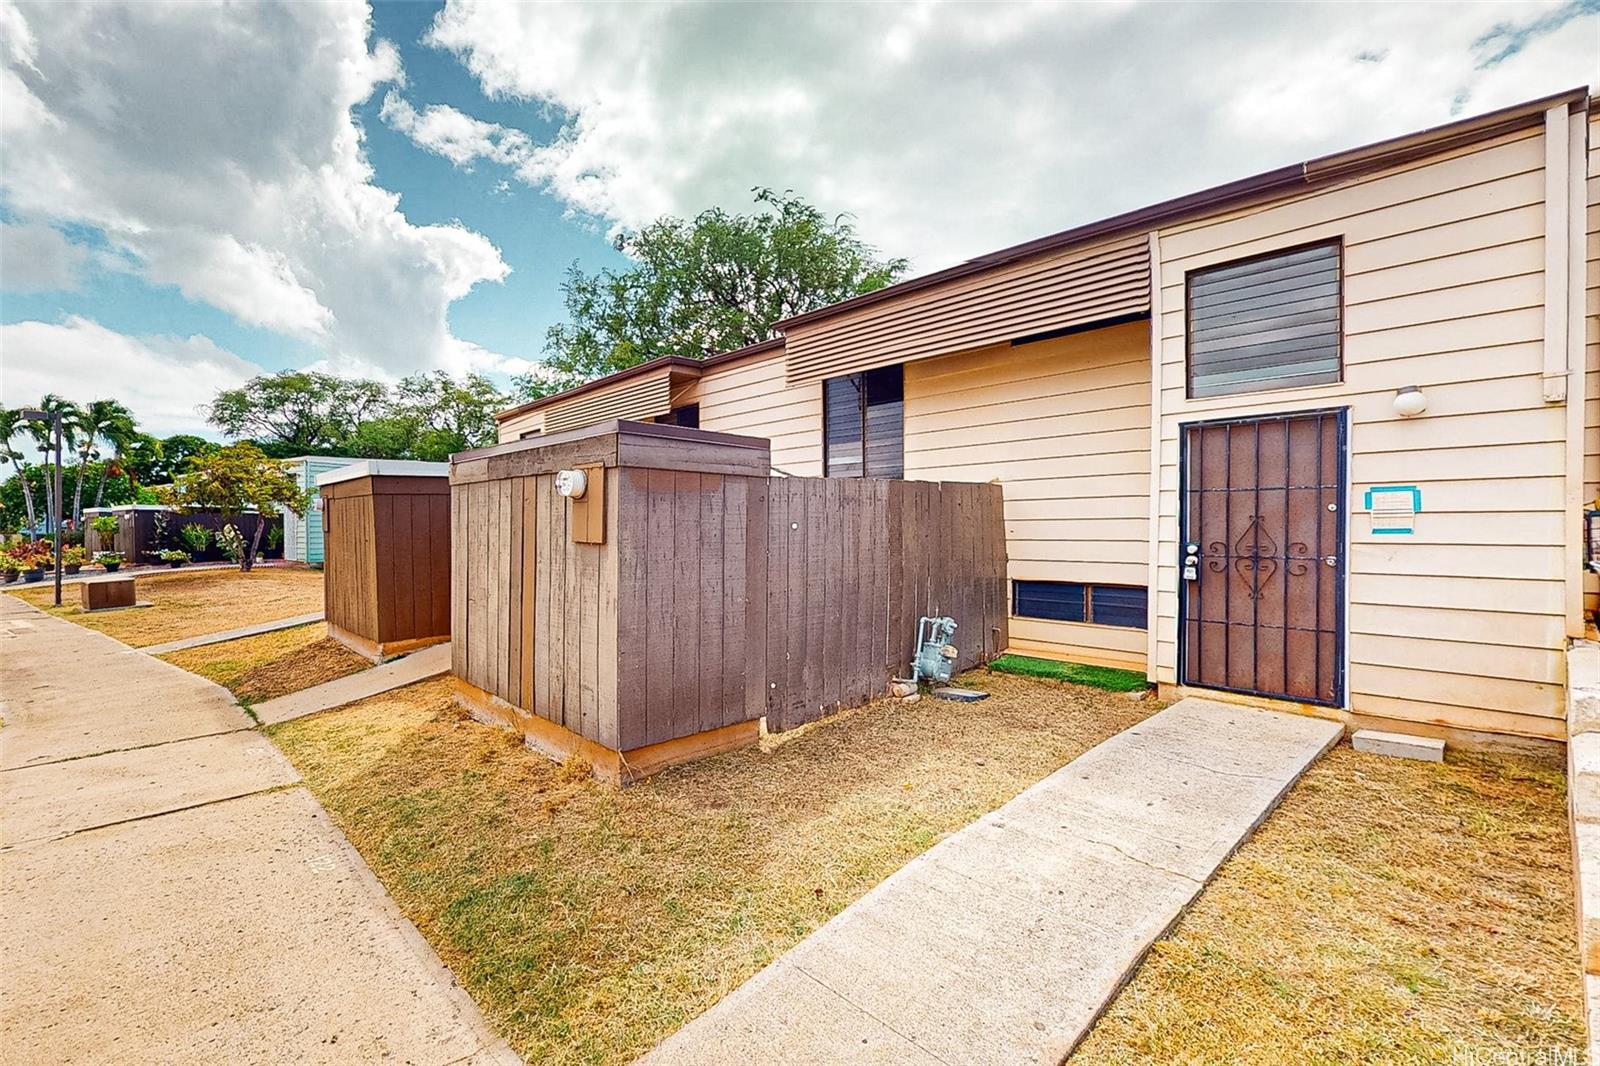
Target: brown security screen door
column 1262, row 572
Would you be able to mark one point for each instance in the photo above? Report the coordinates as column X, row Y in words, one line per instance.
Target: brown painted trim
column 601, row 429
column 696, row 366
column 1274, row 182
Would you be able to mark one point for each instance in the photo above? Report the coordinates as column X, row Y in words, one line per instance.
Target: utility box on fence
column 386, row 567
column 641, row 594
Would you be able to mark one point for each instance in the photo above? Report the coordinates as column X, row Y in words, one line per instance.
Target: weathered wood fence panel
column 717, row 595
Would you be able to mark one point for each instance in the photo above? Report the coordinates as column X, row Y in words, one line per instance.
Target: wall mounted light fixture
column 1409, row 402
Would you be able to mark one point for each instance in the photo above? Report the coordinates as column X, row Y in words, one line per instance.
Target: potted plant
column 106, row 526
column 10, row 567
column 110, row 560
column 72, row 559
column 32, row 563
column 196, row 536
column 274, row 540
column 173, row 557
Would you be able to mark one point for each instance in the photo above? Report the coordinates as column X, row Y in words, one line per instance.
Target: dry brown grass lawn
column 590, row 922
column 193, row 603
column 272, row 664
column 1388, row 912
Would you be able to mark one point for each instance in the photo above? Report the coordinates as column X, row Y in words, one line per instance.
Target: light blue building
column 302, row 536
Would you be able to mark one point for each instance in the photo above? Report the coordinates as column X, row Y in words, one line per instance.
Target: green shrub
column 196, row 536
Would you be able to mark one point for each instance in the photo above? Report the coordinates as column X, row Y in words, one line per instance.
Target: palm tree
column 123, row 435
column 10, row 421
column 44, row 433
column 104, row 420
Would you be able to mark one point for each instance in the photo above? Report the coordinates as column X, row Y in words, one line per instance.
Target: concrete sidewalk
column 232, row 634
column 397, row 673
column 1004, row 942
column 169, row 893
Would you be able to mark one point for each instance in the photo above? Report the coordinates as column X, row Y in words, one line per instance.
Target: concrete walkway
column 170, row 894
column 1004, row 942
column 418, row 666
column 233, row 634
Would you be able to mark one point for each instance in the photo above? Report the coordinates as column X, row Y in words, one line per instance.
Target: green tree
column 43, row 433
column 99, row 421
column 10, row 425
column 233, row 480
column 706, row 285
column 451, row 410
column 162, row 463
column 301, row 412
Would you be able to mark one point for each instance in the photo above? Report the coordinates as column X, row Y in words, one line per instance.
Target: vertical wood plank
column 556, row 545
column 571, row 625
column 832, row 560
column 587, row 613
column 529, row 596
column 514, row 603
column 633, row 617
column 543, row 663
column 686, row 600
column 713, row 620
column 735, row 619
column 660, row 579
column 815, row 575
column 755, row 658
column 775, row 675
column 798, row 694
column 607, row 729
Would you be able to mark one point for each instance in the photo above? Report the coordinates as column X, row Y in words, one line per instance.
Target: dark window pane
column 1058, row 601
column 842, row 426
column 687, row 416
column 863, row 424
column 1119, row 605
column 1268, row 323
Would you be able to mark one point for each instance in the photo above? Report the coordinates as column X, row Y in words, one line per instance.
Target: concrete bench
column 105, row 593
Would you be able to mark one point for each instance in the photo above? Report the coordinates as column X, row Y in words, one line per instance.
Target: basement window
column 1271, row 322
column 1069, row 601
column 863, row 424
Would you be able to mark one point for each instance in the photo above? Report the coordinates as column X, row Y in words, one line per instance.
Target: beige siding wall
column 1064, row 425
column 749, row 397
column 519, row 426
column 1462, row 625
column 1591, row 336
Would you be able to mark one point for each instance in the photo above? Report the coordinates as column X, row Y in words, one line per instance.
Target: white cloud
column 163, row 380
column 951, row 130
column 36, row 258
column 215, row 148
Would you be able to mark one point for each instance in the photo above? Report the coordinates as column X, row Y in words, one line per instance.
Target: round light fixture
column 1409, row 402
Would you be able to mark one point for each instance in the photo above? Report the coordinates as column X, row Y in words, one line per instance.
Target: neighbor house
column 302, row 534
column 1323, row 436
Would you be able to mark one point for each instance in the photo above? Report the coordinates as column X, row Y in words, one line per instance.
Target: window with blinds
column 1069, row 601
column 1272, row 322
column 863, row 420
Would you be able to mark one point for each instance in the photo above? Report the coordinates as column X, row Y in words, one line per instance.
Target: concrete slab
column 1398, row 745
column 233, row 634
column 71, row 692
column 243, row 931
column 1003, row 943
column 53, row 800
column 418, row 666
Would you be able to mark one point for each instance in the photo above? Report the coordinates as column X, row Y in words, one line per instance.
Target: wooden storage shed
column 689, row 593
column 386, row 583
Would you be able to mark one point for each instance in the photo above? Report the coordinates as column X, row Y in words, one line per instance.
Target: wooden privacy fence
column 138, row 535
column 715, row 595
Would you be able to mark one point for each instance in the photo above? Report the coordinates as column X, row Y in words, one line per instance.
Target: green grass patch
column 1105, row 677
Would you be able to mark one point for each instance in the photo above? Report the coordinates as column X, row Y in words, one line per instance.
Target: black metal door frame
column 1341, row 416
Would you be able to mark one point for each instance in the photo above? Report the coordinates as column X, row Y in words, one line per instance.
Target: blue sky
column 192, row 194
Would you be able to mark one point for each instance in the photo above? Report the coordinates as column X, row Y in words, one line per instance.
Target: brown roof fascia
column 1299, row 175
column 694, row 366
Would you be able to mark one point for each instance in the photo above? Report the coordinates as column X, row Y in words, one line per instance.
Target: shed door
column 1263, row 567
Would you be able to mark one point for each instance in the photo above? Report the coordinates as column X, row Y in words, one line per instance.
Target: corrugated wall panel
column 640, row 398
column 1056, row 292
